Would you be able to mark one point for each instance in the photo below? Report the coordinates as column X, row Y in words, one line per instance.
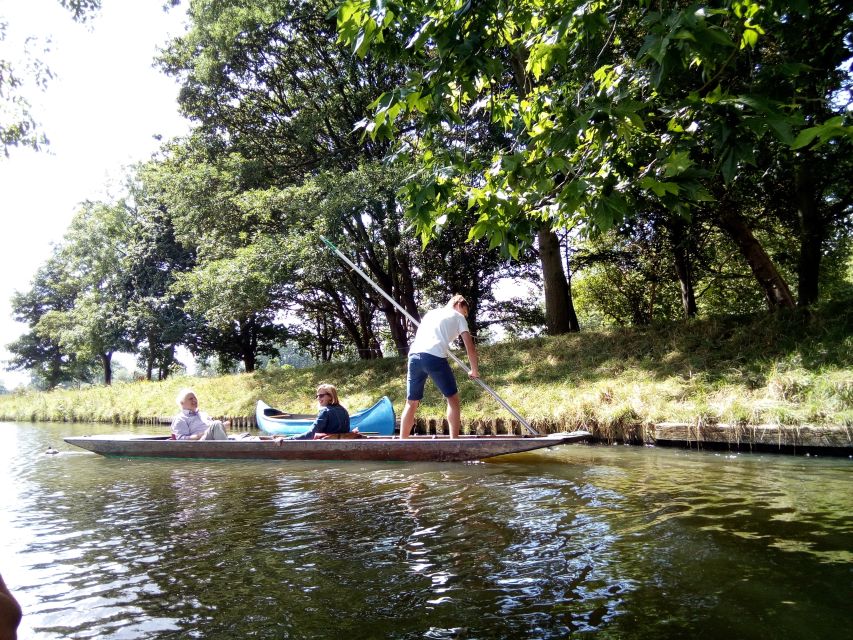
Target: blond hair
column 330, row 389
column 458, row 299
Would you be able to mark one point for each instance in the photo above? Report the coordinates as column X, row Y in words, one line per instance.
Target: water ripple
column 608, row 541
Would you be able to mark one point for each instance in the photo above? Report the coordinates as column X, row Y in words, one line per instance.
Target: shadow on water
column 613, row 542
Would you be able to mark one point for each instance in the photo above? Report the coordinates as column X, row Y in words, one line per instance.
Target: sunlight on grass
column 769, row 369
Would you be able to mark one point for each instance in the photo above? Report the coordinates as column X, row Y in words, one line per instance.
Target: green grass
column 784, row 368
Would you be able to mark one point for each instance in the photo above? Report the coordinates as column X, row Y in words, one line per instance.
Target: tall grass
column 789, row 368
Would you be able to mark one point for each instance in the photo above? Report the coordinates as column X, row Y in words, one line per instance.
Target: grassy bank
column 788, row 369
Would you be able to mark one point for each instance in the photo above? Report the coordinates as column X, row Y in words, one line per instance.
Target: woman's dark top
column 332, row 418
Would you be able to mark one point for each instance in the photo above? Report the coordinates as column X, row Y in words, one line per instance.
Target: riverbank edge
column 779, row 381
column 784, row 439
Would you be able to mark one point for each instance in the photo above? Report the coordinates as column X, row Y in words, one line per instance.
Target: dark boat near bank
column 377, row 448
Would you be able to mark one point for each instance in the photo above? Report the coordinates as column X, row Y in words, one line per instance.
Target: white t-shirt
column 437, row 330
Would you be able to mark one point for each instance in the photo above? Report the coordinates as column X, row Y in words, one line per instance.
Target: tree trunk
column 398, row 283
column 167, row 359
column 560, row 314
column 325, row 337
column 683, row 270
column 106, row 362
column 812, row 233
column 249, row 361
column 358, row 322
column 372, row 349
column 390, row 269
column 248, row 344
column 776, row 290
column 403, row 291
column 398, row 324
column 151, row 357
column 54, row 371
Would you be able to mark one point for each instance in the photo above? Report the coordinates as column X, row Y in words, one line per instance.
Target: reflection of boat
column 378, row 419
column 381, row 448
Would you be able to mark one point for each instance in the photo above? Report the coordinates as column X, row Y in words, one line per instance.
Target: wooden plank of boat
column 377, row 448
column 378, row 419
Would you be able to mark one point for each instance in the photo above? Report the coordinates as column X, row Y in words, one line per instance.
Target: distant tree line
column 635, row 162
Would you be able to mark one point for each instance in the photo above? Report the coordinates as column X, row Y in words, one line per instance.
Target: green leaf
column 728, row 165
column 832, row 128
column 678, row 162
column 556, row 164
column 703, row 195
column 637, row 120
column 715, row 95
column 540, row 58
column 660, row 189
column 510, row 163
column 782, row 127
column 420, row 35
column 749, row 38
column 805, row 137
column 718, row 36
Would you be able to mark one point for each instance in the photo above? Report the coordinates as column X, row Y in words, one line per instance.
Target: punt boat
column 376, row 448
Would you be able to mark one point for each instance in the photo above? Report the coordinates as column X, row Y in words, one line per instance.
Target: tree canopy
column 609, row 109
column 639, row 161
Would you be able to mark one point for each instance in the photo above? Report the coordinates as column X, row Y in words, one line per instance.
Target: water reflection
column 616, row 542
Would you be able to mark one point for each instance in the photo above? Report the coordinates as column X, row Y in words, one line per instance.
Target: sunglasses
column 320, row 395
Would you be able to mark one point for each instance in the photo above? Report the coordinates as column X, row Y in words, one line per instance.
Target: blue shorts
column 422, row 365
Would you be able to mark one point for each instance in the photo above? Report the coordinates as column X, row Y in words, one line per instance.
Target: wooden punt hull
column 378, row 419
column 377, row 448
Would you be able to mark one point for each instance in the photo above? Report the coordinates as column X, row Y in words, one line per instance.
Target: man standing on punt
column 428, row 357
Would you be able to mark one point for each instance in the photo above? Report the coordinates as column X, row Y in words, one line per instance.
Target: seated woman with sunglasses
column 332, row 418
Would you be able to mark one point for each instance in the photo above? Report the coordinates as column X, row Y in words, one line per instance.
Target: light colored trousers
column 215, row 432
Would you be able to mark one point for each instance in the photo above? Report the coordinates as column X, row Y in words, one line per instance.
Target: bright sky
column 100, row 113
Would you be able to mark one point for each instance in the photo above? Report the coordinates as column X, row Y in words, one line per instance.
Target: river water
column 581, row 541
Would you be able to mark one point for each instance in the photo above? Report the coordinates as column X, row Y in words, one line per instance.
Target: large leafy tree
column 156, row 319
column 611, row 105
column 234, row 298
column 271, row 89
column 212, row 212
column 269, row 77
column 93, row 251
column 48, row 364
column 457, row 135
column 805, row 66
column 271, row 81
column 106, row 288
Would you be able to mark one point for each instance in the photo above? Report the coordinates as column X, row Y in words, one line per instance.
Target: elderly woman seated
column 192, row 424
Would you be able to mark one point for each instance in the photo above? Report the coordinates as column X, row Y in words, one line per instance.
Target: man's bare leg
column 407, row 420
column 454, row 415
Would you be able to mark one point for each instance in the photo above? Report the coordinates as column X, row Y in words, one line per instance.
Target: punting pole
column 453, row 356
